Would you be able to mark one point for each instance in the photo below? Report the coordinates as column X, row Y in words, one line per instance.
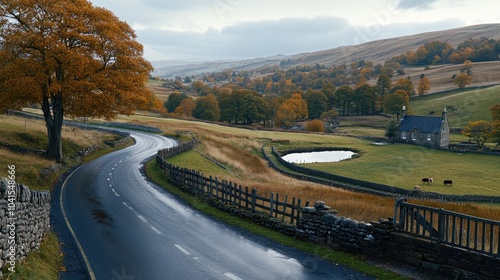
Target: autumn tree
column 207, row 108
column 467, row 68
column 74, row 59
column 479, row 131
column 462, row 80
column 186, row 107
column 405, row 84
column 173, row 101
column 423, row 86
column 293, row 109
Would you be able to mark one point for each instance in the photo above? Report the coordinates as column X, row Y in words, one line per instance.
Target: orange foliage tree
column 423, row 86
column 72, row 58
column 462, row 80
column 293, row 109
column 479, row 131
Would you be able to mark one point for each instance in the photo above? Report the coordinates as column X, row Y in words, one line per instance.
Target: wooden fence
column 232, row 194
column 448, row 227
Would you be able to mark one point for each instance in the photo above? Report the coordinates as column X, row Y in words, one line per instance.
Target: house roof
column 422, row 123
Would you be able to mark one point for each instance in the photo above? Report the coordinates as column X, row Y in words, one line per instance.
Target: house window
column 413, row 136
column 404, row 135
column 429, row 137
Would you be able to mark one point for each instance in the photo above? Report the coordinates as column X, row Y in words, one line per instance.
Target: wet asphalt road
column 128, row 228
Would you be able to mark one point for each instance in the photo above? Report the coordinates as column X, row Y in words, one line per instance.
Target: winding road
column 127, row 228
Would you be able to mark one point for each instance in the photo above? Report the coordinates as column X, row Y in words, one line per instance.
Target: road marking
column 109, row 179
column 142, row 218
column 115, row 192
column 182, row 249
column 232, row 276
column 78, row 244
column 110, row 174
column 156, row 230
column 124, row 203
column 113, row 168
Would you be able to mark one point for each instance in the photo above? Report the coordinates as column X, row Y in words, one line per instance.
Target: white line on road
column 232, row 276
column 182, row 249
column 156, row 230
column 124, row 203
column 115, row 192
column 142, row 218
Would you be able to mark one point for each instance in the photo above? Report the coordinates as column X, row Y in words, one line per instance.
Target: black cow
column 448, row 182
column 427, row 180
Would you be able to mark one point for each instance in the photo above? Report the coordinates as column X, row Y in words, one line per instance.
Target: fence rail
column 448, row 227
column 232, row 194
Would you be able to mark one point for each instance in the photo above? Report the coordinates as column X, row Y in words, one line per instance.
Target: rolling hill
column 376, row 51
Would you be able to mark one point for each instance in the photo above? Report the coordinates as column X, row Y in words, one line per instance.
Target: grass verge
column 356, row 262
column 43, row 264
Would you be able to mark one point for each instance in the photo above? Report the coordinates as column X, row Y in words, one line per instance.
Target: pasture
column 462, row 105
column 403, row 165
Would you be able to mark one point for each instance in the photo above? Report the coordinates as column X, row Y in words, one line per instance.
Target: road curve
column 127, row 228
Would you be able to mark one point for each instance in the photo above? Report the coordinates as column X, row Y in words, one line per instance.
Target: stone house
column 433, row 132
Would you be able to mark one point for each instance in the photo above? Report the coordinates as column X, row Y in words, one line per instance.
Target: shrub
column 315, row 126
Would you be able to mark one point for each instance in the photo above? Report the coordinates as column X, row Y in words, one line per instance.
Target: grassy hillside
column 462, row 105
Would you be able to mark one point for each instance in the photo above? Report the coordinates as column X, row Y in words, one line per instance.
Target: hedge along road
column 126, row 228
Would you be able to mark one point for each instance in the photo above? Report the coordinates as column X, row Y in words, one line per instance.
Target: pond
column 323, row 156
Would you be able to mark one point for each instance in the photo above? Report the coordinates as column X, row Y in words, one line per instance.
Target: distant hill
column 376, row 51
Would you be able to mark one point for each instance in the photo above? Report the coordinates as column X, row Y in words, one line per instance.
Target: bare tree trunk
column 53, row 122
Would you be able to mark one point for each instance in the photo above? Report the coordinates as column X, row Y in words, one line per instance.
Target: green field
column 462, row 105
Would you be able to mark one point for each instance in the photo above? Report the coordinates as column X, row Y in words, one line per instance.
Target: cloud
column 415, row 4
column 252, row 39
column 272, row 37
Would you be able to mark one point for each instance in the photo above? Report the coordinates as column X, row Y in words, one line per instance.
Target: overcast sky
column 239, row 29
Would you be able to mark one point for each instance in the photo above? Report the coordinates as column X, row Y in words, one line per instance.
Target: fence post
column 284, row 207
column 441, row 224
column 254, row 198
column 217, row 187
column 246, row 198
column 210, row 187
column 402, row 215
column 292, row 214
column 271, row 204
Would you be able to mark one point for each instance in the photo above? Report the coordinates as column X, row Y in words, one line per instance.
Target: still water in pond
column 324, row 156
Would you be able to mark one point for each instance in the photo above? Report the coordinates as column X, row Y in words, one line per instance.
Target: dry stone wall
column 24, row 219
column 320, row 224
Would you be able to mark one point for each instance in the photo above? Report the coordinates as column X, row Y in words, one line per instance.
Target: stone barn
column 433, row 132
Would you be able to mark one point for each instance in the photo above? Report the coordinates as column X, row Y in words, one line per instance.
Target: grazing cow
column 448, row 182
column 426, row 180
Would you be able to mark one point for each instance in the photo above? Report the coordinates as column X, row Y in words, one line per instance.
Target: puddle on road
column 101, row 217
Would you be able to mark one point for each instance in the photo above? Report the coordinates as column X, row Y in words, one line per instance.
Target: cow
column 427, row 180
column 416, row 188
column 448, row 182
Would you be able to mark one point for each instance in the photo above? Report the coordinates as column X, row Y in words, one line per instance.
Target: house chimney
column 444, row 114
column 403, row 113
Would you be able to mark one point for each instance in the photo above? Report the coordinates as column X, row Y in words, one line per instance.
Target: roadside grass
column 47, row 262
column 356, row 262
column 43, row 264
column 32, row 134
